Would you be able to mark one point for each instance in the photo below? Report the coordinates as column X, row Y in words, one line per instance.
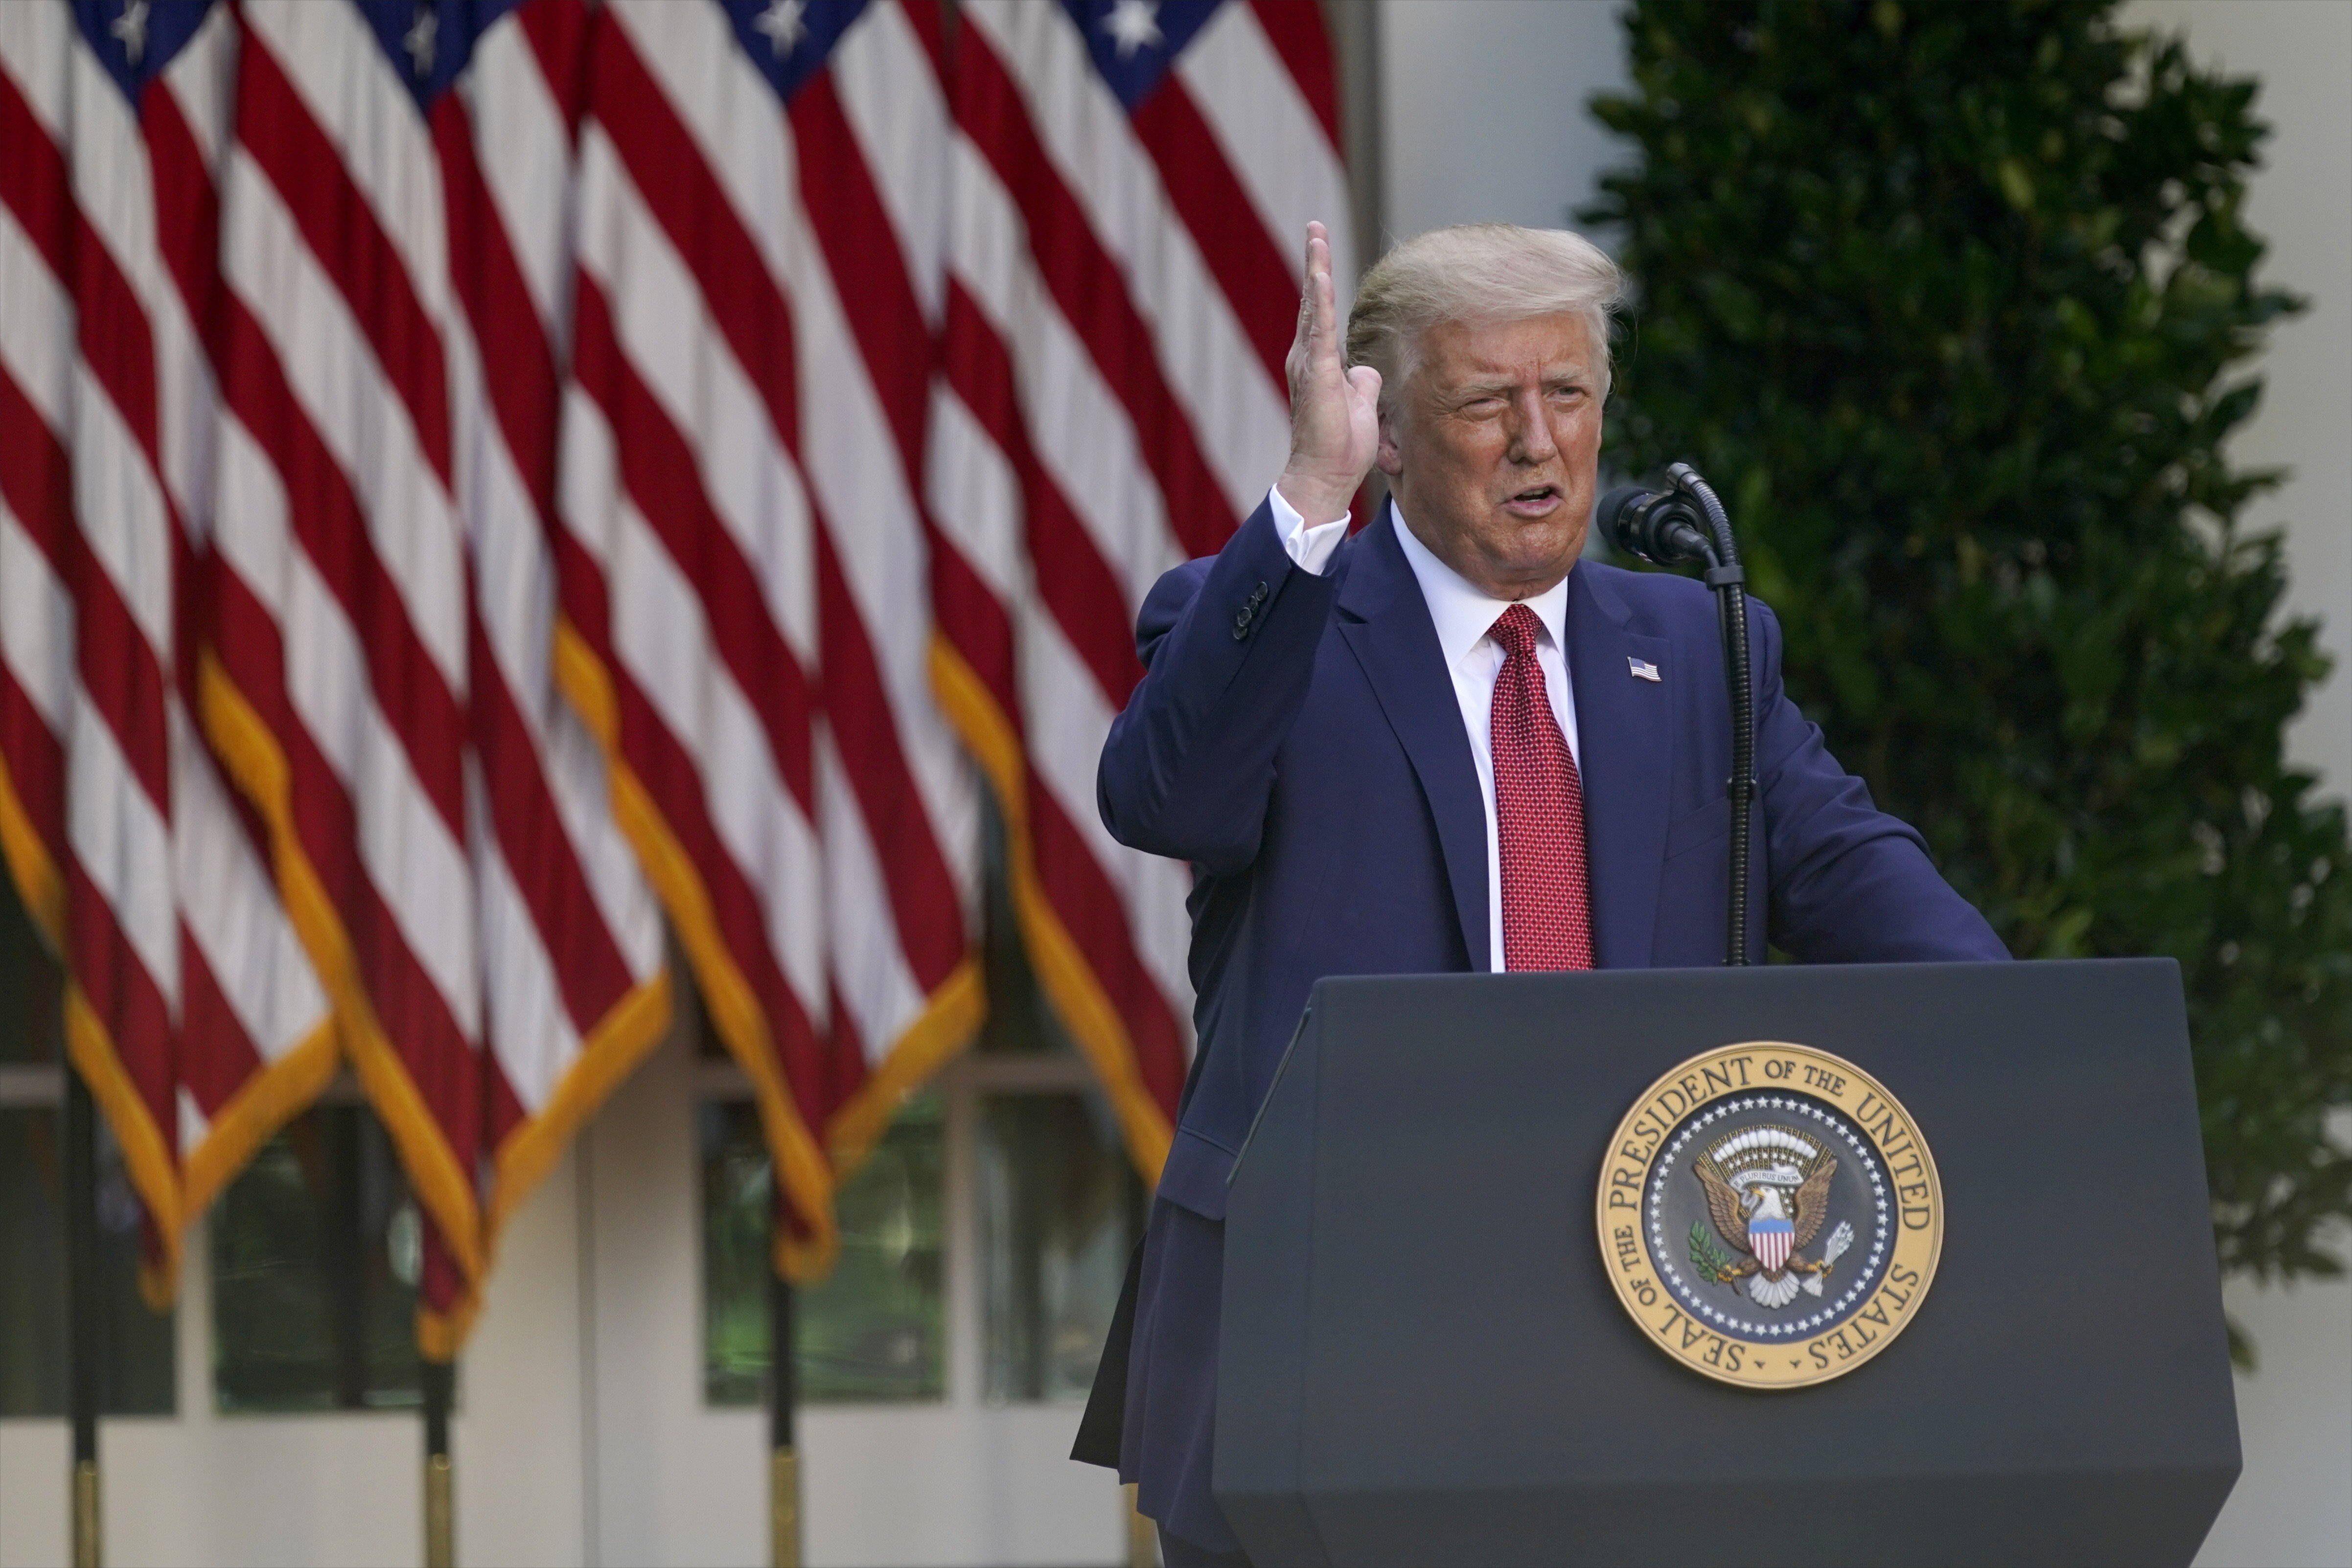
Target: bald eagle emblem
column 1768, row 1191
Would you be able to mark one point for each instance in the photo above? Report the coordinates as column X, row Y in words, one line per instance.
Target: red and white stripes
column 361, row 368
column 38, row 677
column 808, row 402
column 393, row 357
column 746, row 565
column 189, row 1012
column 571, row 936
column 1121, row 287
column 122, row 926
column 342, row 622
column 246, row 1039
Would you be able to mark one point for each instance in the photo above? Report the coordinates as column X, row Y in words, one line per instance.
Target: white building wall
column 2301, row 203
column 1484, row 111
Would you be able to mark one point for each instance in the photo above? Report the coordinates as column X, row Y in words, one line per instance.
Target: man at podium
column 1442, row 743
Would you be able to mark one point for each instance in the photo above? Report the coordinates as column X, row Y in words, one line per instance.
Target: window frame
column 32, row 1086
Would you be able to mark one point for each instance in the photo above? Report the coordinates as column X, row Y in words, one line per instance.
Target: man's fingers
column 1314, row 356
column 1310, row 313
column 1299, row 363
column 1319, row 267
column 1324, row 330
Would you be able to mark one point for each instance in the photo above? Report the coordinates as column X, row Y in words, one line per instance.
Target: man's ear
column 1387, row 457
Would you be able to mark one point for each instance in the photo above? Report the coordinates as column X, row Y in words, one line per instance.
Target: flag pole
column 440, row 1533
column 82, row 1312
column 784, row 1456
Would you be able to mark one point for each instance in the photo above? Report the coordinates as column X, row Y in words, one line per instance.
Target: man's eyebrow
column 1485, row 386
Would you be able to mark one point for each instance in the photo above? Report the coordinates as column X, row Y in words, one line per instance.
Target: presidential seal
column 1770, row 1215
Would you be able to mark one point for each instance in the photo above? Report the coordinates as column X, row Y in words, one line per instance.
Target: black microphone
column 1687, row 523
column 1658, row 525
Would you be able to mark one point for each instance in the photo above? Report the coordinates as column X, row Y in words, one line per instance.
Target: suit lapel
column 1624, row 727
column 1386, row 625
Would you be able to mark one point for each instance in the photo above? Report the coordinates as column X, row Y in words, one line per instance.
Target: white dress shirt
column 1464, row 616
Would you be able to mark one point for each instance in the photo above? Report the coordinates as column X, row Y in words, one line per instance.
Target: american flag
column 41, row 692
column 192, row 1012
column 39, row 682
column 1131, row 187
column 571, row 934
column 392, row 246
column 152, row 101
column 474, row 478
column 744, row 572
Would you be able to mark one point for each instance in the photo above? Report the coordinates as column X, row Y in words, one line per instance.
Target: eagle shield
column 1768, row 1192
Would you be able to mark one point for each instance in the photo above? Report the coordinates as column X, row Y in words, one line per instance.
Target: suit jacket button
column 1242, row 624
column 1257, row 594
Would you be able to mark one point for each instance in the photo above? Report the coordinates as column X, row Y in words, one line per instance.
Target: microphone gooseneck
column 1686, row 522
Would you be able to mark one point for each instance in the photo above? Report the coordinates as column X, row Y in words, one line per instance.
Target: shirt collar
column 1463, row 613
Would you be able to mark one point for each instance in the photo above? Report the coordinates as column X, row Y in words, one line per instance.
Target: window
column 1008, row 1172
column 316, row 1250
column 1058, row 1204
column 1027, row 1148
column 314, row 1246
column 137, row 1366
column 1059, row 1207
column 874, row 1329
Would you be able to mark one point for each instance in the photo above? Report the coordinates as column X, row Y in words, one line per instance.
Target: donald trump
column 1446, row 743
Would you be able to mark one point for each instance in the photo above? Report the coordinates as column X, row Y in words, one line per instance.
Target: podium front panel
column 1424, row 1362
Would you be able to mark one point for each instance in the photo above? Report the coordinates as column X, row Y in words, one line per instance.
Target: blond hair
column 1476, row 272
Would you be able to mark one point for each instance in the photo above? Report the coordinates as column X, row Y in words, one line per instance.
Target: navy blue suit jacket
column 1296, row 737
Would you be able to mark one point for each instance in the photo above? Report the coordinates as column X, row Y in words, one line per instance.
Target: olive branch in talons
column 1713, row 1262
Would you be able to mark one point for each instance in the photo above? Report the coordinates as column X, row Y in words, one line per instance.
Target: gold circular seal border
column 1738, row 1071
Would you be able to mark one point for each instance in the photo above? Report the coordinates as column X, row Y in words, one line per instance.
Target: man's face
column 1493, row 448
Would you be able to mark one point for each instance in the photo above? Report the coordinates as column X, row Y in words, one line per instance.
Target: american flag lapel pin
column 1641, row 669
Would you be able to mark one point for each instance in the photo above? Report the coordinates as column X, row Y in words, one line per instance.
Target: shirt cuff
column 1310, row 547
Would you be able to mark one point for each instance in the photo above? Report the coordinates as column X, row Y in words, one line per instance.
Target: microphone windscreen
column 1611, row 510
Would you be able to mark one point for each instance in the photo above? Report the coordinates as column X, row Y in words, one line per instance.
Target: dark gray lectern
column 1424, row 1363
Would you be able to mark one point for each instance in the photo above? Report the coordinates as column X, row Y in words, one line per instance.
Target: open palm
column 1335, row 422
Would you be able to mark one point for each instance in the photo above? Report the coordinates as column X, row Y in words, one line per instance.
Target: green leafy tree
column 1952, row 301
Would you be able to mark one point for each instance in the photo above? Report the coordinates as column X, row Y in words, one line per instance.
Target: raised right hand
column 1335, row 422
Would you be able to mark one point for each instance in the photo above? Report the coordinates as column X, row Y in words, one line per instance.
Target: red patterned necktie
column 1538, row 813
